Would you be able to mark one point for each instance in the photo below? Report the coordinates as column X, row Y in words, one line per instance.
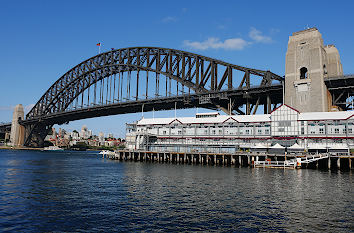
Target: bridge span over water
column 137, row 79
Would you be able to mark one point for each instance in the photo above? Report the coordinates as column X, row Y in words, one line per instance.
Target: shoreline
column 18, row 148
column 30, row 148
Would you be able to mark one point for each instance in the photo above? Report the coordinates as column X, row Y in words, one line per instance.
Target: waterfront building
column 284, row 129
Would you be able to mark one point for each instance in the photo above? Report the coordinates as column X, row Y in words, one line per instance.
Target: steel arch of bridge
column 197, row 73
column 189, row 69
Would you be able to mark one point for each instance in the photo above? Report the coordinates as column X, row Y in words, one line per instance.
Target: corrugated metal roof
column 307, row 116
column 211, row 120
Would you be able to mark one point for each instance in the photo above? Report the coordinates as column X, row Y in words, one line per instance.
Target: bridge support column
column 338, row 163
column 17, row 131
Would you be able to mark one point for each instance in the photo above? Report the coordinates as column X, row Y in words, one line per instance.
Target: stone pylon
column 17, row 130
column 308, row 63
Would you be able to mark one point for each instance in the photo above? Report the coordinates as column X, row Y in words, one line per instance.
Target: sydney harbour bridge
column 139, row 79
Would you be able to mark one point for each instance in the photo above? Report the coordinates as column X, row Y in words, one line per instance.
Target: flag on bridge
column 99, row 47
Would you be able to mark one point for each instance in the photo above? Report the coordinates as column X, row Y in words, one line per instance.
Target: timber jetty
column 241, row 159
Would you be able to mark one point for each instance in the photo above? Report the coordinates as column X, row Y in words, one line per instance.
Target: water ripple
column 80, row 192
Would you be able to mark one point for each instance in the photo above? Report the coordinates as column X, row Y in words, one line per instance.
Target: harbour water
column 80, row 191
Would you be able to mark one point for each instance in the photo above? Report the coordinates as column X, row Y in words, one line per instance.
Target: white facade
column 223, row 133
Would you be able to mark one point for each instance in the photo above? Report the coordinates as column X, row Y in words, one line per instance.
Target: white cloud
column 257, row 36
column 6, row 108
column 169, row 19
column 215, row 43
column 28, row 107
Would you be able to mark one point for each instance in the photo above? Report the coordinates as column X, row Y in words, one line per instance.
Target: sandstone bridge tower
column 308, row 63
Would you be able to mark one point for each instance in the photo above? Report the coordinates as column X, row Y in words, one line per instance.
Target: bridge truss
column 145, row 78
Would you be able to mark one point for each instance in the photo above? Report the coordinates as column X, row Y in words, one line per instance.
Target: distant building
column 74, row 135
column 84, row 134
column 101, row 138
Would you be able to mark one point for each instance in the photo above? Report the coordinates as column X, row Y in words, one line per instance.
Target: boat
column 52, row 148
column 106, row 153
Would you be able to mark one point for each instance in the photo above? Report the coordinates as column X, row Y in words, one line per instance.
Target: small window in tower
column 303, row 73
column 325, row 69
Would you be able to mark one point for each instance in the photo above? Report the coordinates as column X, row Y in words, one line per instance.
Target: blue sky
column 41, row 40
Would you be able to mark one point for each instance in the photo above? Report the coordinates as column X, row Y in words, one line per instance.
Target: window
column 267, row 131
column 302, row 130
column 247, row 131
column 303, row 73
column 350, row 130
column 321, row 131
column 259, row 131
column 325, row 69
column 284, row 123
column 336, row 130
column 164, row 132
column 179, row 132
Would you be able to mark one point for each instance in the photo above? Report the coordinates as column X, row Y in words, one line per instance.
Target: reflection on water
column 79, row 191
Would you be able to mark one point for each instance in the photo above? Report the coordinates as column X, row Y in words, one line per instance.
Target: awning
column 339, row 147
column 317, row 146
column 277, row 146
column 260, row 146
column 295, row 147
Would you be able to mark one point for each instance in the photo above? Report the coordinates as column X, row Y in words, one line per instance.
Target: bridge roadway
column 341, row 88
column 210, row 100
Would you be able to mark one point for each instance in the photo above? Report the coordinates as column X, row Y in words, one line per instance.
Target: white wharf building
column 284, row 129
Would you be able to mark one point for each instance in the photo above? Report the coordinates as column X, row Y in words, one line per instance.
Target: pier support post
column 329, row 162
column 214, row 160
column 338, row 163
column 239, row 160
column 248, row 160
column 350, row 163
